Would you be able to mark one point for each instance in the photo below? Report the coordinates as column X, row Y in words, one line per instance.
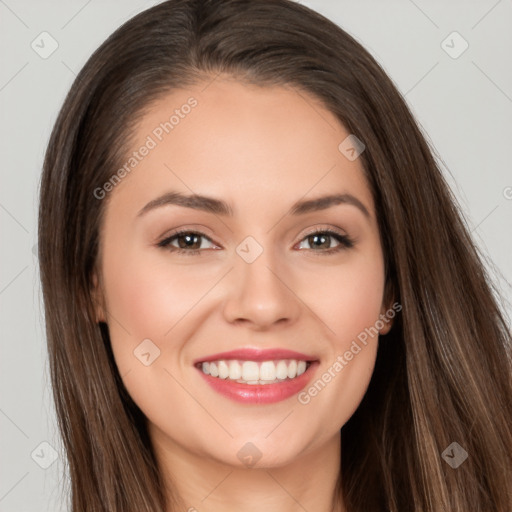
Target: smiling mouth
column 255, row 372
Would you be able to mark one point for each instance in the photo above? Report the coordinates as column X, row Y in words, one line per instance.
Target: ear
column 98, row 299
column 387, row 311
column 386, row 318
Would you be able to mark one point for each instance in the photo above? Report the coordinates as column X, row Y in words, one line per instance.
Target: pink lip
column 254, row 393
column 255, row 354
column 260, row 394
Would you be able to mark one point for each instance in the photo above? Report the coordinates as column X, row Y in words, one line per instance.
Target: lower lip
column 260, row 393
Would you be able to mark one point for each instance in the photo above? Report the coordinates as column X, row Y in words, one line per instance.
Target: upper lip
column 257, row 354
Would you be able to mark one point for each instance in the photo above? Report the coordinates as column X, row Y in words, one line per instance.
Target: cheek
column 348, row 301
column 148, row 296
column 349, row 298
column 148, row 299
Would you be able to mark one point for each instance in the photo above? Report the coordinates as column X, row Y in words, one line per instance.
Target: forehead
column 241, row 142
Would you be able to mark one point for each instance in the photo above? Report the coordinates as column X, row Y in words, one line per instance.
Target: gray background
column 463, row 105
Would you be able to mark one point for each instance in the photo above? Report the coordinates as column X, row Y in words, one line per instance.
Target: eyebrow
column 219, row 207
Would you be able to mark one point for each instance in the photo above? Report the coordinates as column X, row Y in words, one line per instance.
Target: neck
column 209, row 485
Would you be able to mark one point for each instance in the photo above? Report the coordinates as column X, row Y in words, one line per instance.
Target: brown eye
column 188, row 242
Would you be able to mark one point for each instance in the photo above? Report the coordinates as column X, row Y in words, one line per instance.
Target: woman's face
column 252, row 279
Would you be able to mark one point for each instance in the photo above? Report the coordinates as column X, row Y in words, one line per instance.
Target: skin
column 260, row 150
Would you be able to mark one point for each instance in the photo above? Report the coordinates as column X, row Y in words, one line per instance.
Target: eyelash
column 345, row 242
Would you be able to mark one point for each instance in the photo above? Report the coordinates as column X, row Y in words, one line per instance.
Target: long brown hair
column 443, row 373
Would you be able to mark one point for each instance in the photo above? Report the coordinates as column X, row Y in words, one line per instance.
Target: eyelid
column 344, row 242
column 198, row 229
column 310, row 231
column 165, row 241
column 322, row 228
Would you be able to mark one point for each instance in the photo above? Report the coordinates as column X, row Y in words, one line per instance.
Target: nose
column 260, row 294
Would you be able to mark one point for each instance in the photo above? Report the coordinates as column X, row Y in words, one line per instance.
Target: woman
column 259, row 291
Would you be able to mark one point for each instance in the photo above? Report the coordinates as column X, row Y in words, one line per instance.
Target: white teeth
column 252, row 372
column 292, row 369
column 282, row 370
column 235, row 370
column 268, row 371
column 214, row 372
column 223, row 370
